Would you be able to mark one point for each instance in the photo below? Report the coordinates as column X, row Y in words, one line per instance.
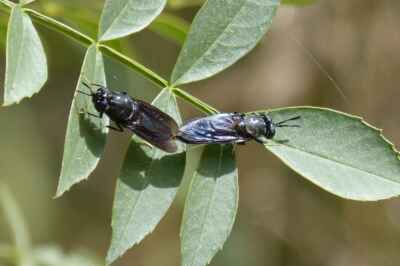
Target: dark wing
column 219, row 128
column 154, row 126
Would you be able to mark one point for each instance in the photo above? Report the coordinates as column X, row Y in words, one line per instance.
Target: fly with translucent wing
column 143, row 119
column 230, row 128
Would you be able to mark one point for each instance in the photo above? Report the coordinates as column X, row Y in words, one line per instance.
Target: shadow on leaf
column 146, row 166
column 216, row 161
column 94, row 137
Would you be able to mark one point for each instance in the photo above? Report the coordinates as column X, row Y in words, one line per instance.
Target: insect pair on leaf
column 161, row 130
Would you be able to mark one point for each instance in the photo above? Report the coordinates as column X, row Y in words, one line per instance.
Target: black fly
column 227, row 128
column 143, row 119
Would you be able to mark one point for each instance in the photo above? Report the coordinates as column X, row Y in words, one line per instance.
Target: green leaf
column 338, row 152
column 147, row 185
column 171, row 27
column 123, row 17
column 18, row 228
column 222, row 32
column 26, row 66
column 211, row 206
column 86, row 135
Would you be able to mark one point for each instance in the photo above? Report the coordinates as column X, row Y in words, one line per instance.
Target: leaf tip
column 113, row 256
column 64, row 187
column 58, row 194
column 9, row 102
column 60, row 191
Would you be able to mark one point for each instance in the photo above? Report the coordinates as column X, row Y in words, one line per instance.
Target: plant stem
column 60, row 27
column 7, row 3
column 202, row 106
column 133, row 64
column 86, row 40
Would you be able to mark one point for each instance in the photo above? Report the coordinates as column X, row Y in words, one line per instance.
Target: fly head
column 269, row 126
column 101, row 99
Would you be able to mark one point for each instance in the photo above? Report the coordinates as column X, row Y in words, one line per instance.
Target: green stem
column 8, row 3
column 57, row 26
column 60, row 27
column 202, row 106
column 134, row 65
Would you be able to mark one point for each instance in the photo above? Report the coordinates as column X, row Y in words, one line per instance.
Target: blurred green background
column 309, row 55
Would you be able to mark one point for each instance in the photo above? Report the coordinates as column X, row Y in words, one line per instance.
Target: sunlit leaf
column 123, row 17
column 222, row 32
column 147, row 185
column 338, row 152
column 86, row 135
column 211, row 206
column 26, row 65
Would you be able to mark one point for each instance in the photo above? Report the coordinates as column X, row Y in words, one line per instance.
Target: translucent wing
column 154, row 126
column 220, row 128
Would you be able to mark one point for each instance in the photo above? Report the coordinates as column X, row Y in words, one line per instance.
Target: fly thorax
column 120, row 107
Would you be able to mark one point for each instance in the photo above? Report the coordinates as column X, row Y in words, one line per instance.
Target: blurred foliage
column 298, row 2
column 22, row 253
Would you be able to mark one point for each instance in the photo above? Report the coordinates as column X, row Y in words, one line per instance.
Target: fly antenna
column 85, row 93
column 85, row 81
column 288, row 125
column 87, row 86
column 282, row 123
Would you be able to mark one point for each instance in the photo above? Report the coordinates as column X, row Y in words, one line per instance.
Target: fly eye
column 101, row 105
column 102, row 101
column 101, row 93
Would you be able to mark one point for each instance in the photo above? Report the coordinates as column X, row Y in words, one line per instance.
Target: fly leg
column 100, row 115
column 259, row 141
column 119, row 128
column 241, row 142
